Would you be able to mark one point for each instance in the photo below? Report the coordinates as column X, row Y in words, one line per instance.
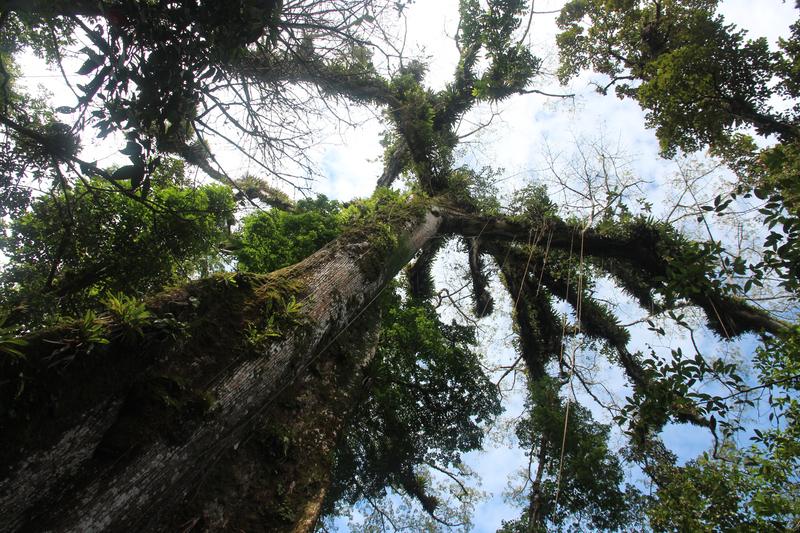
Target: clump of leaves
column 114, row 244
column 130, row 313
column 171, row 329
column 717, row 494
column 276, row 323
column 87, row 332
column 476, row 190
column 281, row 311
column 91, row 329
column 578, row 485
column 10, row 343
column 254, row 188
column 532, row 203
column 273, row 239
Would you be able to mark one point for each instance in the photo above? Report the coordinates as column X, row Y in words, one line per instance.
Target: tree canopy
column 222, row 356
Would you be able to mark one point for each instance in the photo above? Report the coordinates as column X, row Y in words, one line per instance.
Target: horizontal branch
column 358, row 84
column 642, row 246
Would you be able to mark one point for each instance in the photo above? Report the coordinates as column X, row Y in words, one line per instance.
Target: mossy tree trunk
column 277, row 477
column 197, row 420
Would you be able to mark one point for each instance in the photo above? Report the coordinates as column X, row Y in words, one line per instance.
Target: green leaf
column 89, row 66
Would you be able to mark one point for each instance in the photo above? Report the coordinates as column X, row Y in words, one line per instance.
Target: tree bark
column 277, row 479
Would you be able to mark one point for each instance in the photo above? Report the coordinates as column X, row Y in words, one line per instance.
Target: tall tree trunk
column 122, row 436
column 277, row 478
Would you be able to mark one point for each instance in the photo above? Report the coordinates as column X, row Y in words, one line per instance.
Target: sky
column 528, row 135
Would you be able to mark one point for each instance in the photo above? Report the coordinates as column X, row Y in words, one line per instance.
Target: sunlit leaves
column 273, row 239
column 698, row 78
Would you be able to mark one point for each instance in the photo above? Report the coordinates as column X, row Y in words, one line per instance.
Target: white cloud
column 761, row 18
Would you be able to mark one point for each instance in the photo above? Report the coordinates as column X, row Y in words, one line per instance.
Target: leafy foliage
column 158, row 88
column 578, row 481
column 512, row 65
column 701, row 82
column 697, row 77
column 66, row 254
column 273, row 239
column 10, row 343
column 714, row 495
column 428, row 403
column 128, row 312
column 774, row 459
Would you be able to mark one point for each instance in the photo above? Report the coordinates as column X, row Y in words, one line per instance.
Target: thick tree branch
column 420, row 278
column 727, row 315
column 484, row 303
column 358, row 83
column 394, row 163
